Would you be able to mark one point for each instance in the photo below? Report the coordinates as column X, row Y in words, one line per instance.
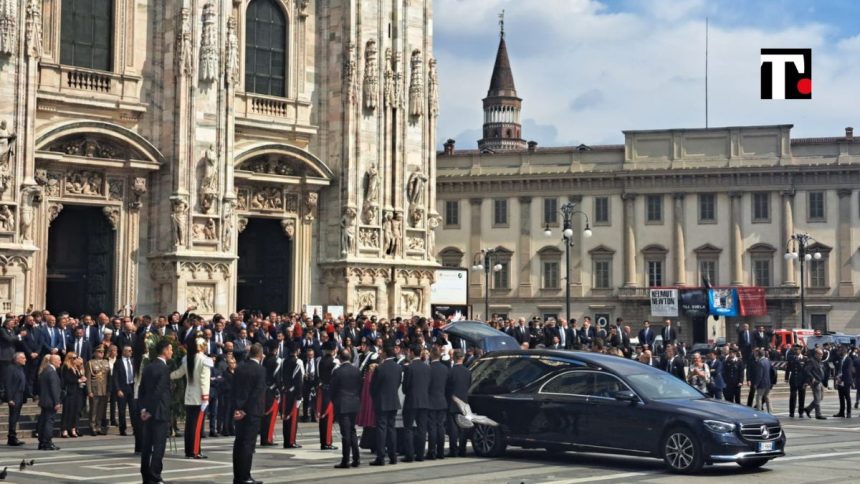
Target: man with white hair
column 16, row 383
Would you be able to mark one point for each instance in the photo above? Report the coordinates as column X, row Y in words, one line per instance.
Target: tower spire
column 502, row 129
column 502, row 24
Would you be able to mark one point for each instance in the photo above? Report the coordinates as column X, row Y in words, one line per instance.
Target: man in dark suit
column 761, row 338
column 416, row 404
column 345, row 390
column 32, row 346
column 155, row 415
column 438, row 405
column 16, row 385
column 8, row 339
column 718, row 382
column 249, row 393
column 123, row 387
column 673, row 364
column 745, row 342
column 646, row 335
column 384, row 389
column 459, row 381
column 669, row 333
column 520, row 332
column 844, row 381
column 49, row 402
column 733, row 374
column 81, row 346
column 587, row 334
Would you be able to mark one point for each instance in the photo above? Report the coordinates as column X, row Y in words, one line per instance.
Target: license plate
column 765, row 446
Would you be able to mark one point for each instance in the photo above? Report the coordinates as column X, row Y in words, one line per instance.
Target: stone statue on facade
column 209, row 45
column 350, row 74
column 432, row 224
column 7, row 141
column 8, row 26
column 371, row 184
column 397, row 82
column 232, row 52
column 7, row 219
column 416, row 85
column 184, row 45
column 229, row 224
column 371, row 75
column 347, row 226
column 208, row 190
column 393, row 233
column 180, row 222
column 388, row 81
column 33, row 28
column 311, row 201
column 433, row 88
column 415, row 187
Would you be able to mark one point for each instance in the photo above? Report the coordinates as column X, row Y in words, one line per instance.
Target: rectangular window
column 452, row 213
column 500, row 278
column 548, row 316
column 708, row 270
column 707, row 208
column 761, row 207
column 601, row 211
column 761, row 272
column 602, row 273
column 818, row 273
column 816, row 206
column 500, row 212
column 654, row 208
column 655, row 273
column 550, row 275
column 550, row 211
column 819, row 322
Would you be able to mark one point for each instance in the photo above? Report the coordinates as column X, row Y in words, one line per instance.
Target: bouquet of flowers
column 177, row 387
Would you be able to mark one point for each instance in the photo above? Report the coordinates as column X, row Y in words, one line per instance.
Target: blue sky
column 588, row 69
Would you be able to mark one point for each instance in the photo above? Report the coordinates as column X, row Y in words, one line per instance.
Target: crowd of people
column 357, row 371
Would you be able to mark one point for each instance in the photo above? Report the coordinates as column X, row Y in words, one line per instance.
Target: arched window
column 86, row 34
column 265, row 49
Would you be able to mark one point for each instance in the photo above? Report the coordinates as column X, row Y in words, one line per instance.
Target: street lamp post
column 483, row 261
column 797, row 248
column 567, row 211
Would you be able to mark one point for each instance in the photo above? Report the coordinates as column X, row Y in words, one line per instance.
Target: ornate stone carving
column 229, row 224
column 303, row 9
column 33, row 28
column 415, row 187
column 371, row 75
column 347, row 227
column 416, row 84
column 311, row 201
column 205, row 231
column 392, row 233
column 365, row 299
column 268, row 198
column 54, row 210
column 241, row 223
column 7, row 219
column 433, row 88
column 210, row 268
column 350, row 74
column 138, row 189
column 180, row 221
column 84, row 182
column 7, row 139
column 388, row 81
column 242, row 196
column 415, row 243
column 92, row 147
column 289, row 226
column 202, row 296
column 411, row 301
column 207, row 192
column 432, row 223
column 30, row 196
column 397, row 82
column 115, row 189
column 112, row 213
column 371, row 185
column 8, row 26
column 416, row 216
column 232, row 53
column 292, row 205
column 184, row 45
column 209, row 64
column 368, row 238
column 273, row 165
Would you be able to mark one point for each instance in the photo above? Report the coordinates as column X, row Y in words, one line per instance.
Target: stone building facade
column 264, row 154
column 666, row 208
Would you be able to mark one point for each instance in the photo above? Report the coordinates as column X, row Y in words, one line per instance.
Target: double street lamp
column 568, row 210
column 483, row 261
column 797, row 248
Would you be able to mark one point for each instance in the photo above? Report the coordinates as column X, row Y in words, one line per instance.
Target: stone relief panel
column 115, row 189
column 267, row 198
column 411, row 301
column 274, row 165
column 84, row 182
column 93, row 146
column 205, row 230
column 292, row 205
column 368, row 238
column 202, row 296
column 415, row 242
column 7, row 218
column 365, row 298
column 243, row 194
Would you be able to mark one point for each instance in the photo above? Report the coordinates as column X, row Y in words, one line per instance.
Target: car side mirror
column 626, row 396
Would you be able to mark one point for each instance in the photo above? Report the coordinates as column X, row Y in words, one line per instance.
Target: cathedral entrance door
column 265, row 267
column 80, row 262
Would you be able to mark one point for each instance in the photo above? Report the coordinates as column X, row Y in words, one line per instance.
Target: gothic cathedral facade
column 257, row 154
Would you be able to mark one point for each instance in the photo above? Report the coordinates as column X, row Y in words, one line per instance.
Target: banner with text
column 751, row 301
column 723, row 302
column 693, row 302
column 664, row 302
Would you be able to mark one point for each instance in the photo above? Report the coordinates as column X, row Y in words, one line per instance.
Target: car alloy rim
column 486, row 438
column 679, row 451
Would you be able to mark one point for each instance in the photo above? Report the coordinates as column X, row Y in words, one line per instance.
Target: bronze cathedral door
column 265, row 267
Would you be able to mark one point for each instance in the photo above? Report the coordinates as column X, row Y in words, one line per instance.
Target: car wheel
column 681, row 451
column 488, row 441
column 752, row 463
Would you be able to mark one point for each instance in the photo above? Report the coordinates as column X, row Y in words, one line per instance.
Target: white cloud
column 590, row 72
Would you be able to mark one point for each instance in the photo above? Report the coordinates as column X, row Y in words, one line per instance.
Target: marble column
column 737, row 241
column 629, row 239
column 476, row 282
column 788, row 269
column 845, row 246
column 678, row 246
column 524, row 289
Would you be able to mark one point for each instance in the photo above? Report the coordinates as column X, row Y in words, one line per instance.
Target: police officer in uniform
column 292, row 376
column 346, row 383
column 267, row 425
column 796, row 378
column 325, row 410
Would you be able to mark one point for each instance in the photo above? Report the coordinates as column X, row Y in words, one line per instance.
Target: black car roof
column 613, row 363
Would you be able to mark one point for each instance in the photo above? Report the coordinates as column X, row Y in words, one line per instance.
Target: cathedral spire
column 502, row 129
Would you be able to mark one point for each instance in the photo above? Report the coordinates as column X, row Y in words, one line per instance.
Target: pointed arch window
column 86, row 34
column 265, row 48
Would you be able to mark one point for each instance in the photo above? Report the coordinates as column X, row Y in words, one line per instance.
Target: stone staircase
column 29, row 418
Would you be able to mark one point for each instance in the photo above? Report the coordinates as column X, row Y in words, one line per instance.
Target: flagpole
column 706, row 72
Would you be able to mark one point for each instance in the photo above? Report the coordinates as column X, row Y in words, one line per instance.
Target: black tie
column 78, row 350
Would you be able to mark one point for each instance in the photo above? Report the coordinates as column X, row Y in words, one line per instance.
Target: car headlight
column 719, row 427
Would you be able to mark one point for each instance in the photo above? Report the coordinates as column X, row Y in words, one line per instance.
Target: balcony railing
column 633, row 292
column 269, row 107
column 88, row 81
